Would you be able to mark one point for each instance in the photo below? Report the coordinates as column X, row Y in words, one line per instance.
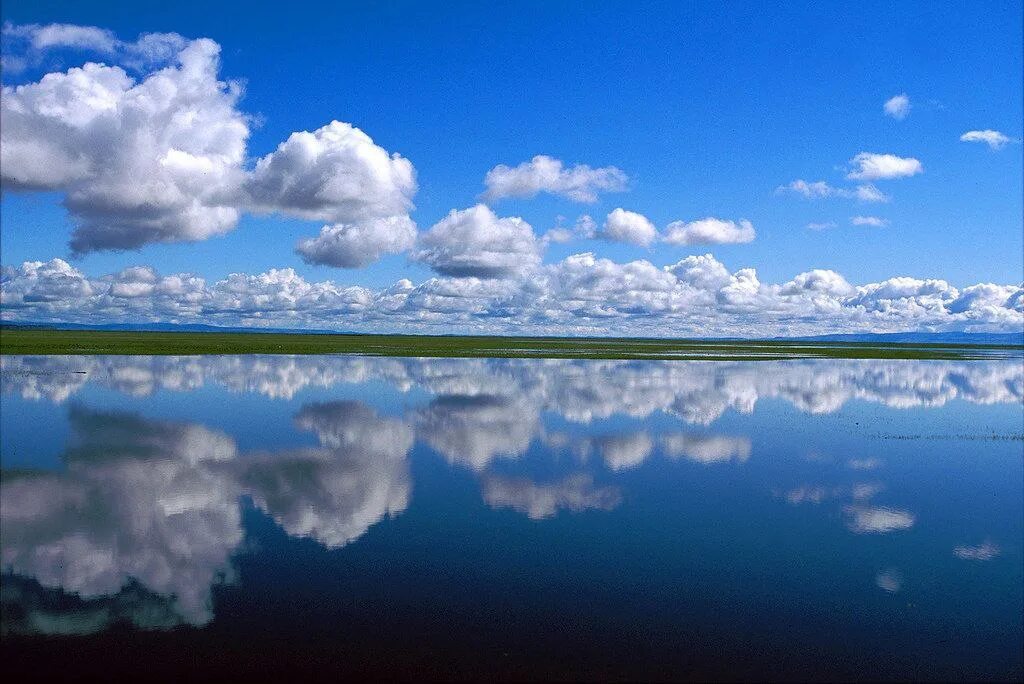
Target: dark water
column 454, row 518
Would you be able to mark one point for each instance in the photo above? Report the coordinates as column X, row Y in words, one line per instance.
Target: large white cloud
column 709, row 231
column 474, row 242
column 579, row 183
column 162, row 157
column 150, row 161
column 872, row 166
column 336, row 173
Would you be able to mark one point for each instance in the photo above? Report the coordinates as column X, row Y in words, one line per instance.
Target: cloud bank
column 501, row 287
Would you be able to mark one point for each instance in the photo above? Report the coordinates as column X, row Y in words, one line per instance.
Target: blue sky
column 706, row 109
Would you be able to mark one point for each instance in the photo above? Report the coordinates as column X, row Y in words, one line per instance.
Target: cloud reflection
column 157, row 503
column 697, row 392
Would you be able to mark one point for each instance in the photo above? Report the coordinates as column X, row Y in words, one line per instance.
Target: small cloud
column 869, row 221
column 810, row 190
column 821, row 226
column 872, row 166
column 897, row 107
column 994, row 139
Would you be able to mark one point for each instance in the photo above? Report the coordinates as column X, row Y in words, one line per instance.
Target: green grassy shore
column 44, row 341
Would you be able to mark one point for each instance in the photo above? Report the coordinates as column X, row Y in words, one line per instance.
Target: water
column 512, row 518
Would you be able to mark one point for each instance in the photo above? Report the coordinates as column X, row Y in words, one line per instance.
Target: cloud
column 709, row 231
column 358, row 245
column 897, row 107
column 821, row 225
column 994, row 139
column 871, row 166
column 474, row 242
column 629, row 227
column 64, row 36
column 579, row 183
column 820, row 189
column 27, row 44
column 869, row 221
column 869, row 193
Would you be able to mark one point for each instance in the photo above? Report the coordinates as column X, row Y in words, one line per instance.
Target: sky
column 621, row 168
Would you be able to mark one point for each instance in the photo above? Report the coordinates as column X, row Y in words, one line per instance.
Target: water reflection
column 144, row 516
column 157, row 503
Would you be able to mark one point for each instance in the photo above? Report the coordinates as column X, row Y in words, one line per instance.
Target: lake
column 512, row 518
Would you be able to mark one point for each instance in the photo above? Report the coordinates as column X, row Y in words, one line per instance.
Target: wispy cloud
column 994, row 139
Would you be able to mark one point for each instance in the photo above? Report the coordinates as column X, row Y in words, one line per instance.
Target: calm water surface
column 512, row 518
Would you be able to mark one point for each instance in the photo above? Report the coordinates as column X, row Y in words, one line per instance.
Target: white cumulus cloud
column 359, row 244
column 474, row 242
column 872, row 166
column 629, row 227
column 709, row 231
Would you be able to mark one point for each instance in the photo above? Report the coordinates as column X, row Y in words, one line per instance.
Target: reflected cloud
column 474, row 430
column 538, row 501
column 697, row 392
column 621, row 452
column 706, row 449
column 982, row 552
column 890, row 580
column 877, row 519
column 157, row 503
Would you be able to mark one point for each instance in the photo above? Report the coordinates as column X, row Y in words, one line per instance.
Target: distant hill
column 902, row 337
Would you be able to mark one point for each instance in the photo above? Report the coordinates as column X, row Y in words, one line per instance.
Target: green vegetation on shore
column 45, row 341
